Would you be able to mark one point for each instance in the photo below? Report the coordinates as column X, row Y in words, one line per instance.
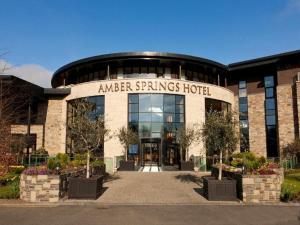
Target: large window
column 98, row 110
column 156, row 116
column 152, row 114
column 270, row 115
column 243, row 116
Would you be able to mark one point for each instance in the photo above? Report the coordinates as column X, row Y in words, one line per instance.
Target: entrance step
column 151, row 169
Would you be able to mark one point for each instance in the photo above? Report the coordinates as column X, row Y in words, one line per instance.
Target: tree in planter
column 219, row 134
column 185, row 137
column 87, row 129
column 127, row 137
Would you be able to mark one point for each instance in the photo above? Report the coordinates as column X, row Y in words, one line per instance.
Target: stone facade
column 34, row 129
column 261, row 188
column 116, row 108
column 257, row 127
column 55, row 126
column 39, row 188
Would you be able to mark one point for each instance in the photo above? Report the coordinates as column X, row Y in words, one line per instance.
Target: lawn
column 291, row 185
column 9, row 186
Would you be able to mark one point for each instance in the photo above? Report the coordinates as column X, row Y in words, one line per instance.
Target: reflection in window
column 98, row 110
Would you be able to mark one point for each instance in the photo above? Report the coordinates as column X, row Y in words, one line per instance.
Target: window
column 98, row 110
column 270, row 116
column 243, row 116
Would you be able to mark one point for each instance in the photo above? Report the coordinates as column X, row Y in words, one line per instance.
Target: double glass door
column 150, row 153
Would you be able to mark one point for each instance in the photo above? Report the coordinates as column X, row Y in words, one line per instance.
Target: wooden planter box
column 98, row 170
column 126, row 166
column 219, row 190
column 85, row 188
column 187, row 166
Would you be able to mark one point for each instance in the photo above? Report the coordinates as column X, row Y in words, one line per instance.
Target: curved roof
column 136, row 55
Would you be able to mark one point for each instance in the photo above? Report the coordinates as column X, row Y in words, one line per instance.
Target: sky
column 38, row 36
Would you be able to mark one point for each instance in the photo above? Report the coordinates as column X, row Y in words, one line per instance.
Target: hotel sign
column 153, row 86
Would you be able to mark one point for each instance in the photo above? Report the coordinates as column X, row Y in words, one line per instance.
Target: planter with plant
column 127, row 137
column 219, row 137
column 90, row 132
column 185, row 137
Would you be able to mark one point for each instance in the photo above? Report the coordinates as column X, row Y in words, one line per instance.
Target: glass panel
column 242, row 93
column 133, row 107
column 133, row 117
column 179, row 99
column 157, row 127
column 270, row 120
column 179, row 109
column 243, row 100
column 155, row 135
column 243, row 115
column 133, row 149
column 133, row 99
column 179, row 118
column 270, row 103
column 145, row 117
column 133, row 126
column 157, row 103
column 269, row 92
column 144, row 103
column 169, row 118
column 243, row 107
column 269, row 81
column 242, row 84
column 270, row 112
column 244, row 123
column 144, row 129
column 157, row 117
column 100, row 100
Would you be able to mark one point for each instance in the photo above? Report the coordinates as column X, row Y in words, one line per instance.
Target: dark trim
column 57, row 91
column 272, row 59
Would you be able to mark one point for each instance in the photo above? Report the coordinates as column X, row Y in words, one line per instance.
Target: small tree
column 185, row 137
column 219, row 134
column 292, row 149
column 127, row 137
column 89, row 131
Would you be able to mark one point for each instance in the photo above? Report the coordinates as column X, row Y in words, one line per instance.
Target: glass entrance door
column 150, row 153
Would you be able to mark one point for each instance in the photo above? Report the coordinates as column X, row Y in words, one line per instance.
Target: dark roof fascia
column 150, row 55
column 57, row 91
column 267, row 60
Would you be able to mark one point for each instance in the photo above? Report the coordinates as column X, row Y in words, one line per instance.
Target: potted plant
column 98, row 167
column 90, row 132
column 127, row 137
column 219, row 137
column 185, row 137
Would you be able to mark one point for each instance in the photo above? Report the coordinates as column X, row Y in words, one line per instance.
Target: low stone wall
column 39, row 188
column 255, row 188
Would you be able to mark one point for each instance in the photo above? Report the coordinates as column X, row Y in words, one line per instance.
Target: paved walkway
column 153, row 188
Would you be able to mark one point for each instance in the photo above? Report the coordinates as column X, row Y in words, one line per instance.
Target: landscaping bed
column 291, row 186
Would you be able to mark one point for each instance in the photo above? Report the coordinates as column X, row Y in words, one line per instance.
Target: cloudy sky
column 39, row 36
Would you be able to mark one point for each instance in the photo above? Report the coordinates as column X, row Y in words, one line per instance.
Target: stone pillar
column 257, row 127
column 285, row 113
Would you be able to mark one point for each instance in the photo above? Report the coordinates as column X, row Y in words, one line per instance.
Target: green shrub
column 10, row 190
column 247, row 159
column 16, row 169
column 60, row 160
column 288, row 192
column 97, row 162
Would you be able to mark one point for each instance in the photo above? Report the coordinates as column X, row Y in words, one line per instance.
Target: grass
column 291, row 186
column 11, row 188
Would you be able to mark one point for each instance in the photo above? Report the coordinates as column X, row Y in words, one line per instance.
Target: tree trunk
column 88, row 164
column 181, row 154
column 220, row 166
column 126, row 153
